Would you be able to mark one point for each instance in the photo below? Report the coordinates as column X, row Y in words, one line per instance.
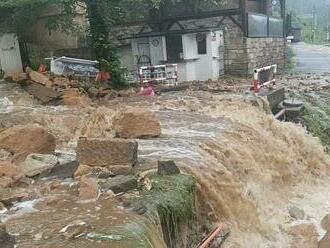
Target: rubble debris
column 103, row 153
column 72, row 97
column 119, row 184
column 8, row 196
column 325, row 241
column 297, row 213
column 127, row 93
column 65, row 168
column 39, row 78
column 36, row 164
column 325, row 222
column 60, row 82
column 166, row 168
column 10, row 174
column 19, row 77
column 6, row 240
column 42, row 93
column 82, row 170
column 24, row 140
column 136, row 123
column 303, row 235
column 121, row 169
column 101, row 173
column 5, row 155
column 76, row 229
column 89, row 188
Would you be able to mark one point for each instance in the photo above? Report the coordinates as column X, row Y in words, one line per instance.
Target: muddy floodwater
column 250, row 169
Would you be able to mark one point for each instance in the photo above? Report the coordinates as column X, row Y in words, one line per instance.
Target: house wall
column 253, row 6
column 235, row 55
column 264, row 51
column 243, row 55
column 193, row 67
column 52, row 40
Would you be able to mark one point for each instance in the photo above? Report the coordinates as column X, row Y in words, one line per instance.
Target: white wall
column 10, row 56
column 195, row 66
column 203, row 66
column 157, row 50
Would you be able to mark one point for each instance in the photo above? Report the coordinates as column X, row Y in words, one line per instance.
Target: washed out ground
column 250, row 168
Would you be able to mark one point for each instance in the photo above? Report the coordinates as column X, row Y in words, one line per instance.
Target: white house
column 10, row 56
column 199, row 56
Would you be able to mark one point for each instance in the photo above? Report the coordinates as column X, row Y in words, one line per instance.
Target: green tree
column 16, row 15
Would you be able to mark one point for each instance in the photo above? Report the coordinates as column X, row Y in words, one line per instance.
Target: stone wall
column 264, row 51
column 235, row 53
column 243, row 55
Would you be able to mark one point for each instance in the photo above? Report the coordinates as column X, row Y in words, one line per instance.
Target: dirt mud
column 250, row 168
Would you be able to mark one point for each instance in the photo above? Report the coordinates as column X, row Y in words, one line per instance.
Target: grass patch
column 173, row 199
column 290, row 63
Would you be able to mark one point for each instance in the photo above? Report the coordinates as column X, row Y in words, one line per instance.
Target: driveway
column 311, row 58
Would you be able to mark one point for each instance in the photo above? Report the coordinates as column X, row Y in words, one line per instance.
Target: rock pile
column 136, row 123
column 51, row 89
column 21, row 141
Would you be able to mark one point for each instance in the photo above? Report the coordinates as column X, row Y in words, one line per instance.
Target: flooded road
column 311, row 58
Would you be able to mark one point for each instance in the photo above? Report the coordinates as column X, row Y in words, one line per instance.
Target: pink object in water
column 148, row 91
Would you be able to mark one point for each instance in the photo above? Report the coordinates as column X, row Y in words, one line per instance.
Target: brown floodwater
column 250, row 167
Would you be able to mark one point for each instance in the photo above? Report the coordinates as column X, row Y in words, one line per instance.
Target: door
column 143, row 57
column 10, row 57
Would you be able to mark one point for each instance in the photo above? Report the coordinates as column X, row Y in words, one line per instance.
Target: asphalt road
column 311, row 58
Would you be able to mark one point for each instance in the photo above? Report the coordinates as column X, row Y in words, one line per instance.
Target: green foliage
column 173, row 199
column 317, row 121
column 16, row 15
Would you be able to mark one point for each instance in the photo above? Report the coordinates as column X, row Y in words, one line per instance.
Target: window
column 174, row 48
column 201, row 43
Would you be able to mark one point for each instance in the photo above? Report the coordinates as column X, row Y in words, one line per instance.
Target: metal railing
column 259, row 26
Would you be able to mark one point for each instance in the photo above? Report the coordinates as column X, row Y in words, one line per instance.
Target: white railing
column 159, row 74
column 257, row 85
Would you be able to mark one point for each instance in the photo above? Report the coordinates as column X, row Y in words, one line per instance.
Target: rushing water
column 250, row 167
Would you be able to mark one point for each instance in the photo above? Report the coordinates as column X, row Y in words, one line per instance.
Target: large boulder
column 107, row 153
column 39, row 78
column 119, row 184
column 166, row 168
column 42, row 93
column 89, row 188
column 325, row 222
column 65, row 168
column 24, row 140
column 36, row 164
column 136, row 123
column 9, row 174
